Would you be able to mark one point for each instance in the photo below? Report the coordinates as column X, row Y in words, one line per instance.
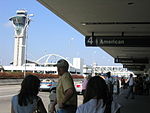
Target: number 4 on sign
column 90, row 40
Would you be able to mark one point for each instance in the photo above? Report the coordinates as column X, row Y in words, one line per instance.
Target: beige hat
column 62, row 63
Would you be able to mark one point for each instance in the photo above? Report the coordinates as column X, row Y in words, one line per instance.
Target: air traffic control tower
column 20, row 22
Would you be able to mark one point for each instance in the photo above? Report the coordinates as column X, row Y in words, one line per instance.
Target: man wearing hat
column 65, row 91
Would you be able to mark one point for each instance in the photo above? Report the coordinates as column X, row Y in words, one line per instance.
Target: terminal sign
column 135, row 69
column 131, row 60
column 140, row 67
column 118, row 41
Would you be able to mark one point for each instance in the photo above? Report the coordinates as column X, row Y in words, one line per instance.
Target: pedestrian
column 131, row 85
column 123, row 82
column 97, row 98
column 84, row 84
column 52, row 98
column 147, row 82
column 27, row 100
column 110, row 83
column 66, row 96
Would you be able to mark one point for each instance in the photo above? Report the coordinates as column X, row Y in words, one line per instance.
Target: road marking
column 10, row 90
column 4, row 88
column 7, row 95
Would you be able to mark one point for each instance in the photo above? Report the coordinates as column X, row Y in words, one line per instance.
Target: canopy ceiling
column 108, row 18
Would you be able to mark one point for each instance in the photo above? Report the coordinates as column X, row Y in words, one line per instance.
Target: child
column 52, row 98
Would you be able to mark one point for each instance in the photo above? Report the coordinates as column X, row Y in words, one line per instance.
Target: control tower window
column 19, row 22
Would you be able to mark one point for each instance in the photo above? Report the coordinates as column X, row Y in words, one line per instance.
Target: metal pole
column 25, row 60
column 25, row 55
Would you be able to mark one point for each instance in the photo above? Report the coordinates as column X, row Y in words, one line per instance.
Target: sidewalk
column 141, row 103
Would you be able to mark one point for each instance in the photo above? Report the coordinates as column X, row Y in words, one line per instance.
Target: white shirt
column 131, row 81
column 109, row 80
column 21, row 109
column 90, row 107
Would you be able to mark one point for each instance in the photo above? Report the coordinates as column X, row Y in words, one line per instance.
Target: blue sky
column 47, row 34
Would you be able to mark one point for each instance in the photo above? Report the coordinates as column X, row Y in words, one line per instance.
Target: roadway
column 7, row 91
column 139, row 105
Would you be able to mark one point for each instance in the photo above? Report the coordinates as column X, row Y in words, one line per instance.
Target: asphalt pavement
column 140, row 104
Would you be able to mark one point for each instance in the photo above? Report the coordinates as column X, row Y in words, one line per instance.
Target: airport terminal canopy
column 121, row 28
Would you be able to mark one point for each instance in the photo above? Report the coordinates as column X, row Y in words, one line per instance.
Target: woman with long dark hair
column 98, row 98
column 27, row 100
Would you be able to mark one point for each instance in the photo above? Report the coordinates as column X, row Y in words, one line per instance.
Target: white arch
column 48, row 57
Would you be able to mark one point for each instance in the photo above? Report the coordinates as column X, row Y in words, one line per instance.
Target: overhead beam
column 113, row 23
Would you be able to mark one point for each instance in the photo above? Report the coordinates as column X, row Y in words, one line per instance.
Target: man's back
column 65, row 82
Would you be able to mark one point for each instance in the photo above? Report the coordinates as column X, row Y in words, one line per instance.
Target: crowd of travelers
column 97, row 93
column 141, row 84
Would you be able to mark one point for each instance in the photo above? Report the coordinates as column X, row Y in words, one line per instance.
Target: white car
column 78, row 86
column 47, row 84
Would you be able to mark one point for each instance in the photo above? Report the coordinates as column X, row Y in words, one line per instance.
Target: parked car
column 78, row 86
column 47, row 85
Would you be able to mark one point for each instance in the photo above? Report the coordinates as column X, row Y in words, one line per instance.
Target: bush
column 77, row 76
column 11, row 75
column 19, row 75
